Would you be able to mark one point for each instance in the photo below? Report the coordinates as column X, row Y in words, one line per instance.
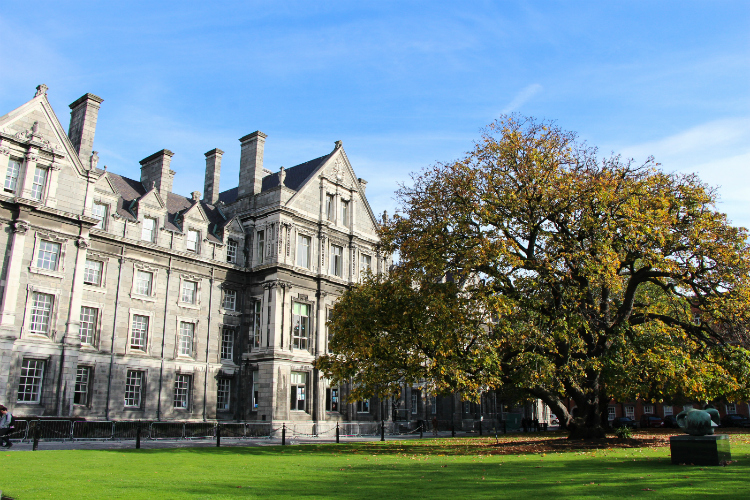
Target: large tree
column 536, row 263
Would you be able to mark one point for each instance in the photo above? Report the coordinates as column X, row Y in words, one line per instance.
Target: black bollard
column 494, row 426
column 480, row 427
column 382, row 429
column 37, row 431
column 218, row 435
column 421, row 429
column 337, row 432
column 138, row 436
column 453, row 430
column 283, row 435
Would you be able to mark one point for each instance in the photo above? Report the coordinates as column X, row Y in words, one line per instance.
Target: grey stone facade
column 123, row 300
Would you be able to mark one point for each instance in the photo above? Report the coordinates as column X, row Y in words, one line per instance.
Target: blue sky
column 402, row 84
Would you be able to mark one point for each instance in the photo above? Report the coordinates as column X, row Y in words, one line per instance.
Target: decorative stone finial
column 35, row 130
column 282, row 176
column 95, row 160
column 196, row 195
column 41, row 90
column 339, row 144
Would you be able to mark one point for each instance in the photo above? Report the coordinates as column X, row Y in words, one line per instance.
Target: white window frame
column 40, row 182
column 344, row 208
column 260, row 245
column 257, row 326
column 102, row 224
column 196, row 304
column 433, row 404
column 12, row 174
column 304, row 253
column 611, row 413
column 226, row 343
column 365, row 264
column 153, row 231
column 337, row 260
column 186, row 337
column 298, row 380
column 730, row 408
column 154, row 280
column 230, row 300
column 183, row 389
column 134, row 392
column 630, row 411
column 223, row 394
column 149, row 329
column 188, row 292
column 94, row 329
column 330, row 207
column 301, row 340
column 193, row 241
column 87, row 272
column 83, row 385
column 232, row 251
column 40, row 239
column 648, row 409
column 30, row 383
column 42, row 305
column 668, row 410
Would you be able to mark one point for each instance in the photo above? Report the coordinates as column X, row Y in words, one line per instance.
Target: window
column 365, row 264
column 30, row 388
column 667, row 410
column 41, row 310
column 300, row 325
column 37, row 185
column 299, row 383
column 261, row 245
column 255, row 390
column 303, row 251
column 256, row 327
column 87, row 329
column 414, row 403
column 611, row 413
column 630, row 411
column 223, row 390
column 332, row 399
column 48, row 255
column 143, row 282
column 192, row 240
column 187, row 331
column 329, row 335
column 227, row 343
column 189, row 291
column 363, row 406
column 344, row 213
column 232, row 251
column 182, row 391
column 92, row 272
column 230, row 300
column 99, row 211
column 133, row 388
column 648, row 409
column 336, row 257
column 731, row 408
column 81, row 392
column 139, row 332
column 433, row 405
column 148, row 230
column 329, row 207
column 11, row 176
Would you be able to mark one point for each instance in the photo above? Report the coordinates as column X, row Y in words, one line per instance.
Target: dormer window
column 329, row 207
column 192, row 240
column 232, row 251
column 11, row 176
column 149, row 229
column 99, row 210
column 344, row 213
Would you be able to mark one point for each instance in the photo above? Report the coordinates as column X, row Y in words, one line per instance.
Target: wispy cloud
column 522, row 98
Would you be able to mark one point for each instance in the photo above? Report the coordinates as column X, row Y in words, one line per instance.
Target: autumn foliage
column 533, row 262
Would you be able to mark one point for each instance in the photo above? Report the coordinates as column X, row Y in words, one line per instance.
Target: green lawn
column 443, row 468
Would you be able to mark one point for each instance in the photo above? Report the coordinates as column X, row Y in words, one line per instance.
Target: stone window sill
column 46, row 272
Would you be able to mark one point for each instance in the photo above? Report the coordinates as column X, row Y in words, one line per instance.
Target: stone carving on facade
column 41, row 90
column 82, row 243
column 20, row 227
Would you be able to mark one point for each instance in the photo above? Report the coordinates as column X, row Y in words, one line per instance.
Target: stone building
column 124, row 300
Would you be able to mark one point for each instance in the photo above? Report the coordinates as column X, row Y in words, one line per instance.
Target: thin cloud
column 522, row 98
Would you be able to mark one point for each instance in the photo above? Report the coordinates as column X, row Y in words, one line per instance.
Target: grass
column 430, row 468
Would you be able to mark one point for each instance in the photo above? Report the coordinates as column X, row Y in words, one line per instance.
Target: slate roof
column 132, row 190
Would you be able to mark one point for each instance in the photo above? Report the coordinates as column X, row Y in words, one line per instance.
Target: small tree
column 532, row 262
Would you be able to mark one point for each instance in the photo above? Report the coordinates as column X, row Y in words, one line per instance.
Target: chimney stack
column 83, row 115
column 362, row 184
column 251, row 164
column 213, row 170
column 155, row 171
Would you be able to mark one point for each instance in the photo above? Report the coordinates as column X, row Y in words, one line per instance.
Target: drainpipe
column 208, row 339
column 114, row 329
column 163, row 340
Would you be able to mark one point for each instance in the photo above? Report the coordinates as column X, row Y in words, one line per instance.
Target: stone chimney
column 155, row 171
column 251, row 164
column 362, row 184
column 213, row 170
column 83, row 115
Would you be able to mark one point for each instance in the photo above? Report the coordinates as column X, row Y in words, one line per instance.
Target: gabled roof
column 295, row 178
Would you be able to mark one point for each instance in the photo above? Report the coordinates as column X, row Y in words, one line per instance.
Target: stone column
column 13, row 276
column 51, row 187
column 76, row 294
column 28, row 178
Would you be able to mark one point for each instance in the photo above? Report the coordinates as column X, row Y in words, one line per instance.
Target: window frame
column 260, row 244
column 183, row 386
column 330, row 206
column 234, row 246
column 140, row 388
column 87, row 385
column 155, row 222
column 196, row 244
column 50, row 313
column 13, row 178
column 144, row 348
column 134, row 292
column 227, row 393
column 337, row 261
column 226, row 343
column 363, row 406
column 230, row 298
column 294, row 391
column 257, row 326
column 304, row 251
column 611, row 413
column 344, row 210
column 186, row 337
column 97, row 283
column 38, row 190
column 649, row 409
column 94, row 325
column 102, row 224
column 36, row 381
column 301, row 341
column 630, row 411
column 668, row 410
